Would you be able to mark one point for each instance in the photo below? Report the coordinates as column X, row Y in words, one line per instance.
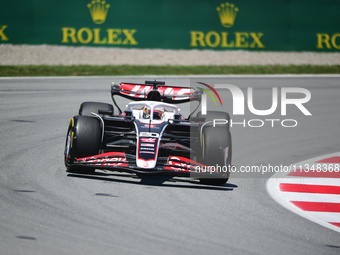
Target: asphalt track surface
column 45, row 210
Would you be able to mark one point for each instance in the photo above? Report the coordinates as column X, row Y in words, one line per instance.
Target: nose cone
column 146, row 163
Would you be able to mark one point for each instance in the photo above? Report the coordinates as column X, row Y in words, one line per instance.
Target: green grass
column 87, row 70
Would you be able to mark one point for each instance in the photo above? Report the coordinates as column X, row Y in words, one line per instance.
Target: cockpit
column 153, row 110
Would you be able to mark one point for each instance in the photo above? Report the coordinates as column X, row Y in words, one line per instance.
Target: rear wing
column 168, row 94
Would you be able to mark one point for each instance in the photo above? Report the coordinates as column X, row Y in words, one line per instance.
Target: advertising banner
column 263, row 25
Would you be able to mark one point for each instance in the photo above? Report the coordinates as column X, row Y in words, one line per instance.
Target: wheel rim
column 68, row 145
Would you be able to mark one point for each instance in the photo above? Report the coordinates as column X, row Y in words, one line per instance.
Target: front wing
column 119, row 161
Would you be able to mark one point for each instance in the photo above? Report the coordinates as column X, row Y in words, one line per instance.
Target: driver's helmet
column 146, row 112
column 158, row 113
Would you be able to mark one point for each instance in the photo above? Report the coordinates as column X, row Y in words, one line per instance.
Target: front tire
column 217, row 148
column 87, row 108
column 215, row 115
column 83, row 139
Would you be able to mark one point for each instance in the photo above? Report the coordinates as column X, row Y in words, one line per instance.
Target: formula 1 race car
column 150, row 136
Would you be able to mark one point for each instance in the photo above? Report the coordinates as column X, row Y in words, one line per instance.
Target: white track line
column 182, row 76
column 312, row 181
column 310, row 197
column 329, row 217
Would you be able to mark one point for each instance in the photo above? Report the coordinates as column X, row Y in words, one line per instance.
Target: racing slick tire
column 83, row 139
column 216, row 115
column 216, row 149
column 87, row 108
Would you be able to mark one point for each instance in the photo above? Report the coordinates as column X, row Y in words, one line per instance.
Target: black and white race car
column 150, row 136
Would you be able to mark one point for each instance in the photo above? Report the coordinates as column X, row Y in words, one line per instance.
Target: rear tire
column 83, row 139
column 87, row 108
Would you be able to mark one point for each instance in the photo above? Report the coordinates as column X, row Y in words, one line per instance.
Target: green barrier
column 262, row 25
